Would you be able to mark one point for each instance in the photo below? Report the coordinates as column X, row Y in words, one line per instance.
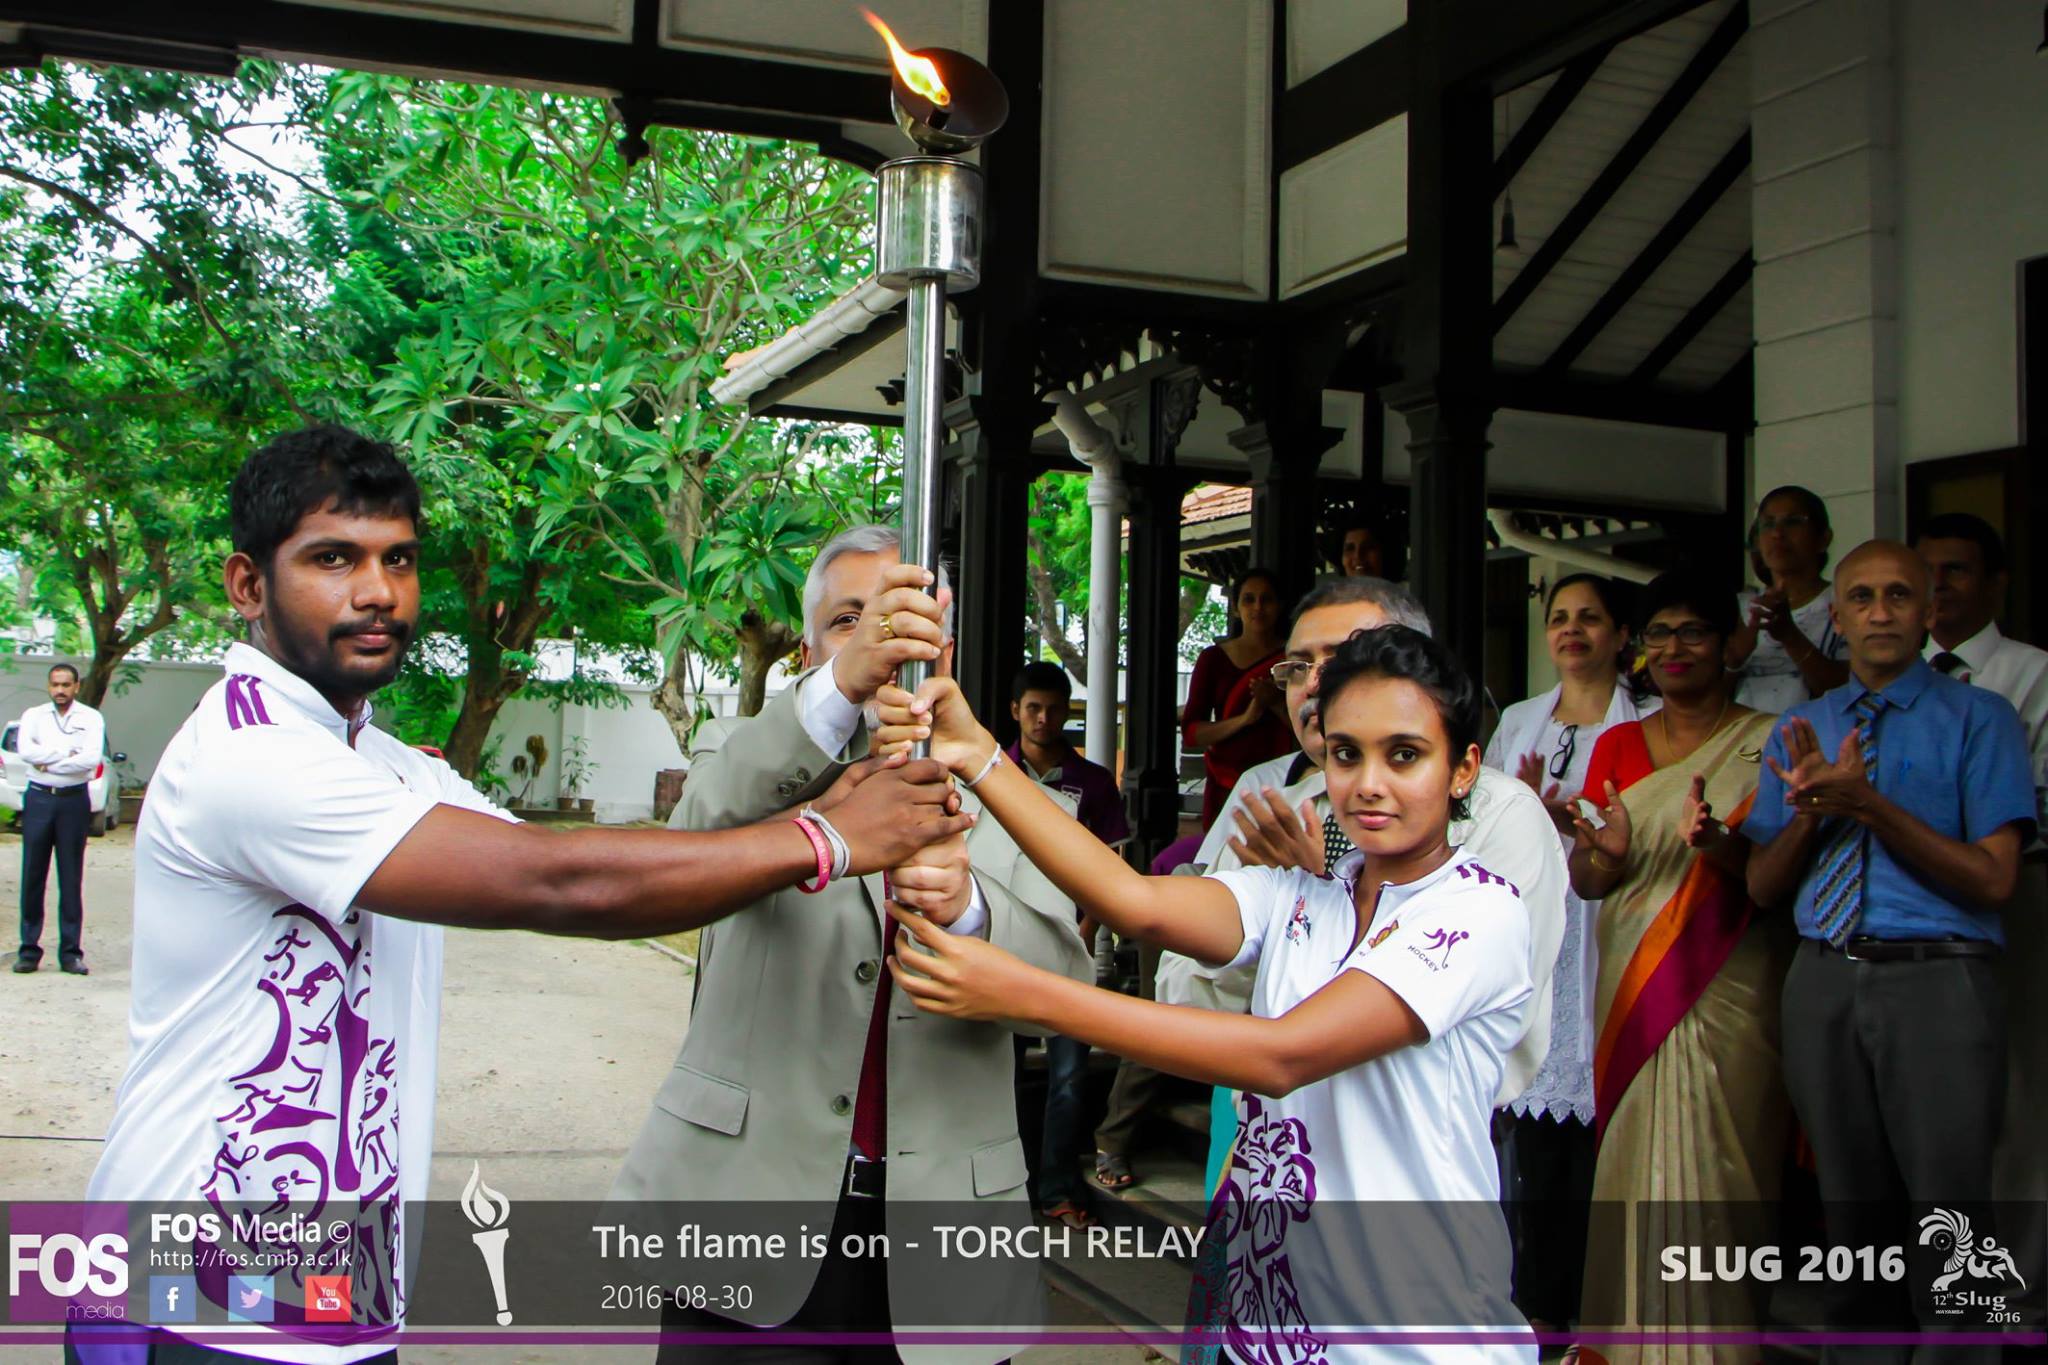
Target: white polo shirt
column 1412, row 1127
column 281, row 1041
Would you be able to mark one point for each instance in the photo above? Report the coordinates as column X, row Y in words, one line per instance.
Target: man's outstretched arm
column 463, row 868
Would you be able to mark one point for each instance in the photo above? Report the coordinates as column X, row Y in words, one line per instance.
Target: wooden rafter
column 1717, row 182
column 1617, row 171
column 1549, row 109
column 1718, row 296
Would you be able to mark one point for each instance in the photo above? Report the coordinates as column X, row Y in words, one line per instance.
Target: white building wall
column 1973, row 204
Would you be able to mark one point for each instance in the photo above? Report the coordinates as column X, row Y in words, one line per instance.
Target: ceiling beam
column 1549, row 109
column 1352, row 96
column 1607, row 400
column 1709, row 192
column 1617, row 171
column 1718, row 296
column 820, row 94
column 1508, row 45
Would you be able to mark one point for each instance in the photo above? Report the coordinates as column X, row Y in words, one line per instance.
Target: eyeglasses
column 1288, row 672
column 1790, row 522
column 1567, row 747
column 1690, row 634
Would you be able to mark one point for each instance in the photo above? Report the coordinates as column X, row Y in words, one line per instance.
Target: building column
column 992, row 470
column 1152, row 670
column 1283, row 457
column 1823, row 221
column 1447, row 448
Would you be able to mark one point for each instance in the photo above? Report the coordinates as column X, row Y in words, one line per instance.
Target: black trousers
column 1547, row 1191
column 850, row 1295
column 54, row 823
column 1897, row 1073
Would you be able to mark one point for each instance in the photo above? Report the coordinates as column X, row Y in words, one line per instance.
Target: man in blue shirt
column 1891, row 816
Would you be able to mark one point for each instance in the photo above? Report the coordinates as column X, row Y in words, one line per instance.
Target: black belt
column 864, row 1178
column 57, row 791
column 1910, row 949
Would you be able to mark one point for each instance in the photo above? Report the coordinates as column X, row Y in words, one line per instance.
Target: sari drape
column 1694, row 1122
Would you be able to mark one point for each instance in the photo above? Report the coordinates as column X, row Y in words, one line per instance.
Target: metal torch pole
column 924, row 398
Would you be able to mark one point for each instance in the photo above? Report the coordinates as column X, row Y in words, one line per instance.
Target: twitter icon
column 173, row 1298
column 251, row 1298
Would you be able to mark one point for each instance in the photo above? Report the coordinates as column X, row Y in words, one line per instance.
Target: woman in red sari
column 1235, row 712
column 1691, row 1113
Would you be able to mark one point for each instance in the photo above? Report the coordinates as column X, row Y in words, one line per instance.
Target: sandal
column 1113, row 1172
column 1071, row 1213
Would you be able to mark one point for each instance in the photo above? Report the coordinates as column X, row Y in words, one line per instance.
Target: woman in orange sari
column 1691, row 1113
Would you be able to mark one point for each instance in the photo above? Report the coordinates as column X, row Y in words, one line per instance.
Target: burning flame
column 483, row 1206
column 921, row 74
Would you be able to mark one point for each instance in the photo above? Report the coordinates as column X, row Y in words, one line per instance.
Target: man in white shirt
column 1967, row 560
column 1505, row 826
column 63, row 742
column 294, row 869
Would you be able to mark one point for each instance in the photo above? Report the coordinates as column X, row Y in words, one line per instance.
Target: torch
column 929, row 212
column 487, row 1211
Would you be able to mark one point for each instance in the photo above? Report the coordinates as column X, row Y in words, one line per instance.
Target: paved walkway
column 551, row 1049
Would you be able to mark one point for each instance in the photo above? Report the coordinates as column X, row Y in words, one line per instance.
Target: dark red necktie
column 870, row 1102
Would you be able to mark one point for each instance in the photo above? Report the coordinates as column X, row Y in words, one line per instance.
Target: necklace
column 1671, row 745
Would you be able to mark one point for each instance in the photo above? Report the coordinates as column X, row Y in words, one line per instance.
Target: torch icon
column 487, row 1211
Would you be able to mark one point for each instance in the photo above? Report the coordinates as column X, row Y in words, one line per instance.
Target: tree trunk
column 763, row 644
column 99, row 672
column 464, row 747
column 495, row 627
column 1045, row 612
column 672, row 699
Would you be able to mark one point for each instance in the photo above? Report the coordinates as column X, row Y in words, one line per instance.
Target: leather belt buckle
column 864, row 1178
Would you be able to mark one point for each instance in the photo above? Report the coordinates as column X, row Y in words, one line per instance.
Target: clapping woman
column 1687, row 1085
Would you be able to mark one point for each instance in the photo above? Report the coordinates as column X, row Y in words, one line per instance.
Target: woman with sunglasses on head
column 1548, row 742
column 1361, row 1191
column 1687, row 1091
column 1786, row 646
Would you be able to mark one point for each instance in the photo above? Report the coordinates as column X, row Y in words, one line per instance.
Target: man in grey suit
column 805, row 1080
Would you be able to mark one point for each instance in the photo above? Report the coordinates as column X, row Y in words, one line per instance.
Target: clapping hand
column 1814, row 786
column 1699, row 827
column 1531, row 771
column 1611, row 840
column 1772, row 613
column 1271, row 835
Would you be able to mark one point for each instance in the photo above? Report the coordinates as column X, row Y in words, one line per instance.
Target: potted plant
column 577, row 770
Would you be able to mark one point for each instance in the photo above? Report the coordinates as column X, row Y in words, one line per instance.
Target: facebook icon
column 172, row 1298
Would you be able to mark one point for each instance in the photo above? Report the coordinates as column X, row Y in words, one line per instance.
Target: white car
column 103, row 790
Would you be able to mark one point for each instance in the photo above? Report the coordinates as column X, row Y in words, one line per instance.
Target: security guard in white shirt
column 63, row 742
column 1967, row 560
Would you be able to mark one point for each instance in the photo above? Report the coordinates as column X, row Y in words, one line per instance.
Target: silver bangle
column 842, row 856
column 986, row 768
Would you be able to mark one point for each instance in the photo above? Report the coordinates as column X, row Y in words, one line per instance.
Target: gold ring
column 888, row 630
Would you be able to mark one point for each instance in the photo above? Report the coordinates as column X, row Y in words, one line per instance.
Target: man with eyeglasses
column 1890, row 818
column 1506, row 826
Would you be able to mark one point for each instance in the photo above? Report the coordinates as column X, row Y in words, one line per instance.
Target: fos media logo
column 67, row 1262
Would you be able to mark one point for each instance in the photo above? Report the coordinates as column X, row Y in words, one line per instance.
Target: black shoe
column 76, row 967
column 25, row 964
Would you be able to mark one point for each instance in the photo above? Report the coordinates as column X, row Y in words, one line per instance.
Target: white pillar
column 1095, row 447
column 1824, row 223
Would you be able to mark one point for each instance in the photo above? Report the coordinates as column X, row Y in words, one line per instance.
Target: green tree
column 589, row 300
column 153, row 316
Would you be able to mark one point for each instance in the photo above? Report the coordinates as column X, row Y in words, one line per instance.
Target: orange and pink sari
column 1687, row 1082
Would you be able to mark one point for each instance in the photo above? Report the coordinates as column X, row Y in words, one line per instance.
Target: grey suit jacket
column 759, row 1106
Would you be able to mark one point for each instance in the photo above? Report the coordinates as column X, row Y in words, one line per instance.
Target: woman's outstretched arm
column 1352, row 1020
column 1189, row 915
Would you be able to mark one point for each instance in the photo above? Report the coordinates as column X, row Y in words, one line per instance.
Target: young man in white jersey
column 294, row 869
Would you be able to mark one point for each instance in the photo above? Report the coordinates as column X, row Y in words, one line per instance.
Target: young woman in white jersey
column 1386, row 997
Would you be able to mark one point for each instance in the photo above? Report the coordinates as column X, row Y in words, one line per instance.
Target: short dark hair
column 305, row 471
column 55, row 669
column 1041, row 677
column 1963, row 526
column 1707, row 599
column 1397, row 651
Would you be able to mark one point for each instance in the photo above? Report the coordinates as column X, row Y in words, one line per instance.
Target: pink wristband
column 819, row 847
